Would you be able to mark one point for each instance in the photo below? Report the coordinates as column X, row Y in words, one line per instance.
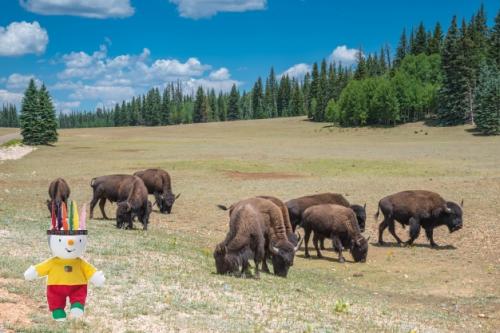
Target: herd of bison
column 264, row 227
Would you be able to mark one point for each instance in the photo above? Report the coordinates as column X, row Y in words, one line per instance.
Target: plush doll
column 67, row 273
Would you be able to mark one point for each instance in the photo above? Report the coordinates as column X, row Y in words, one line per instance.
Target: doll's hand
column 98, row 279
column 30, row 274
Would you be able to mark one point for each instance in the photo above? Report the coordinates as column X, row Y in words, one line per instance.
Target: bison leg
column 414, row 230
column 382, row 226
column 337, row 246
column 306, row 241
column 92, row 205
column 429, row 232
column 392, row 230
column 322, row 243
column 102, row 202
column 315, row 242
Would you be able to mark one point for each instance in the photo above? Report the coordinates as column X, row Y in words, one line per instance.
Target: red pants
column 56, row 295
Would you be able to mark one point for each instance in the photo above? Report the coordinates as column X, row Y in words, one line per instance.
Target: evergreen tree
column 420, row 43
column 454, row 92
column 297, row 101
column 401, row 50
column 221, row 107
column 212, row 103
column 47, row 117
column 494, row 42
column 314, row 82
column 199, row 107
column 30, row 119
column 284, row 96
column 306, row 93
column 166, row 107
column 361, row 70
column 488, row 100
column 233, row 105
column 270, row 95
column 435, row 43
column 258, row 101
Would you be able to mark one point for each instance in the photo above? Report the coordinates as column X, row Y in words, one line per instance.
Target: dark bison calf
column 136, row 205
column 58, row 192
column 115, row 188
column 418, row 209
column 159, row 184
column 338, row 223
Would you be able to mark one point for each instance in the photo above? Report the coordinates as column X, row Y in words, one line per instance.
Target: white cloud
column 8, row 97
column 20, row 82
column 86, row 8
column 220, row 74
column 66, row 107
column 297, row 71
column 344, row 55
column 22, row 38
column 107, row 80
column 206, row 8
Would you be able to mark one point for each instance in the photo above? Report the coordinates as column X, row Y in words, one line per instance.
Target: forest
column 443, row 78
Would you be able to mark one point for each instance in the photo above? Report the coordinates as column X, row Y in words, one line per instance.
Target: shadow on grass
column 314, row 257
column 396, row 245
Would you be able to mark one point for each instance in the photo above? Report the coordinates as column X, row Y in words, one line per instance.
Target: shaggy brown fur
column 418, row 209
column 58, row 192
column 335, row 222
column 159, row 184
column 136, row 204
column 276, row 238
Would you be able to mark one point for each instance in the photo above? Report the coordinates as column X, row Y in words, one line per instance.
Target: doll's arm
column 98, row 279
column 31, row 273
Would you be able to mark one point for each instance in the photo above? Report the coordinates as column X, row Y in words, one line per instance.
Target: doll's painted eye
column 59, row 240
column 80, row 240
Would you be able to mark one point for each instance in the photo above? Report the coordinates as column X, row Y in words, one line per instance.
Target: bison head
column 360, row 212
column 123, row 214
column 359, row 249
column 225, row 263
column 453, row 216
column 283, row 254
column 166, row 201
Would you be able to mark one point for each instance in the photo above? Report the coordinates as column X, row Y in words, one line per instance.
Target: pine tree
column 401, row 50
column 270, row 95
column 306, row 92
column 233, row 105
column 454, row 91
column 314, row 82
column 221, row 107
column 165, row 107
column 435, row 43
column 47, row 117
column 361, row 70
column 420, row 43
column 297, row 100
column 488, row 100
column 284, row 95
column 212, row 103
column 199, row 108
column 258, row 101
column 30, row 119
column 494, row 42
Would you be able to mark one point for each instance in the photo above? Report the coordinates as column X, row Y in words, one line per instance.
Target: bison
column 256, row 228
column 338, row 223
column 136, row 205
column 115, row 188
column 418, row 209
column 296, row 208
column 159, row 184
column 58, row 192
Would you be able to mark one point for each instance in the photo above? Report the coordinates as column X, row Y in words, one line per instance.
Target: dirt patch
column 14, row 153
column 259, row 175
column 14, row 309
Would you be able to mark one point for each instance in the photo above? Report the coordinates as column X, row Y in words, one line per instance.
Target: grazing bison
column 249, row 219
column 296, row 208
column 338, row 223
column 58, row 192
column 114, row 188
column 418, row 209
column 159, row 184
column 136, row 205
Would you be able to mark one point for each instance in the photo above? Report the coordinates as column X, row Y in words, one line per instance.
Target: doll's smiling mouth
column 69, row 251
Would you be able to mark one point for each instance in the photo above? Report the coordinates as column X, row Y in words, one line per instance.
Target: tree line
column 451, row 79
column 8, row 116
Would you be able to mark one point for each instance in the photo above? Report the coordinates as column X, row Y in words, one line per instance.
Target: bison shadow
column 420, row 245
column 314, row 257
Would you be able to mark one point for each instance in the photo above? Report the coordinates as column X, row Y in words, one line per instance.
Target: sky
column 92, row 53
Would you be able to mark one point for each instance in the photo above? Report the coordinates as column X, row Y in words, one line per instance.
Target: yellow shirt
column 69, row 272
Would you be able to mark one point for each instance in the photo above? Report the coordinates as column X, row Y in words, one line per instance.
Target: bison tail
column 92, row 182
column 222, row 207
column 377, row 213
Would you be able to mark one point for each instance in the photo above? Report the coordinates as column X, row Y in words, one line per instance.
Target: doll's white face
column 67, row 246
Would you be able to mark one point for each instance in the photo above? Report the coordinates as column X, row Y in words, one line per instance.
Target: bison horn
column 177, row 196
column 274, row 250
column 299, row 243
column 462, row 203
column 447, row 210
column 368, row 239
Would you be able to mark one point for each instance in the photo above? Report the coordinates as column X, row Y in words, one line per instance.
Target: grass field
column 163, row 279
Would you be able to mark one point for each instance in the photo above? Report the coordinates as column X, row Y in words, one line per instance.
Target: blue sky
column 97, row 52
